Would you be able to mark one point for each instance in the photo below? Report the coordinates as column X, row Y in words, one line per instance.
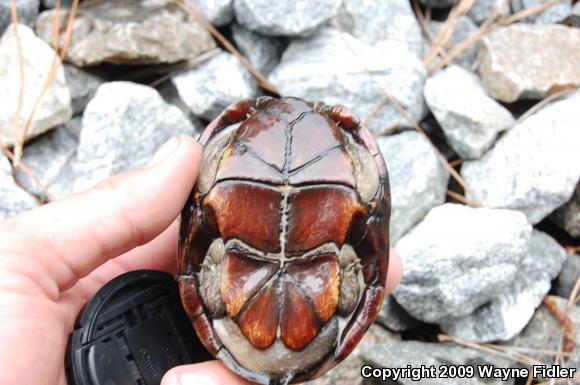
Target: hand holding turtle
column 54, row 258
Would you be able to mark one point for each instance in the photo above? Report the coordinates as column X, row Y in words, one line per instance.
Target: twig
column 403, row 112
column 563, row 319
column 14, row 16
column 447, row 30
column 540, row 104
column 56, row 61
column 260, row 78
column 29, row 173
column 488, row 26
column 493, row 349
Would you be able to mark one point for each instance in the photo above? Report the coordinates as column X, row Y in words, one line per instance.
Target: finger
column 71, row 237
column 394, row 272
column 159, row 254
column 206, row 373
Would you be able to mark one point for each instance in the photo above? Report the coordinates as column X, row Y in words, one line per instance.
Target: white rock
column 553, row 14
column 483, row 9
column 389, row 22
column 284, row 18
column 528, row 61
column 324, row 68
column 458, row 259
column 262, row 51
column 210, row 87
column 27, row 12
column 568, row 276
column 82, row 86
column 533, row 168
column 47, row 157
column 568, row 216
column 575, row 15
column 55, row 106
column 13, row 199
column 470, row 118
column 123, row 126
column 463, row 29
column 418, row 179
column 544, row 333
column 218, row 12
column 507, row 314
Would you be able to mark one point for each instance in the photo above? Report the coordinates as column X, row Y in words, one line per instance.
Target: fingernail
column 194, row 379
column 164, row 151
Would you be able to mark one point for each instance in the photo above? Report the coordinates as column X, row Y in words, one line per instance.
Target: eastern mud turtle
column 284, row 241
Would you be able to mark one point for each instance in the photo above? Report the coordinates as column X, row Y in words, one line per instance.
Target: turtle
column 284, row 240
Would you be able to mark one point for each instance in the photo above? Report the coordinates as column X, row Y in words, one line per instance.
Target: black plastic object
column 131, row 332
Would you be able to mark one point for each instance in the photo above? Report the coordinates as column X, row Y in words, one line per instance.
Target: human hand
column 54, row 258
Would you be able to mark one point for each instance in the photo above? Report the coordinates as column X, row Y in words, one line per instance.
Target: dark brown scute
column 247, row 212
column 259, row 321
column 242, row 277
column 240, row 163
column 334, row 166
column 298, row 323
column 319, row 278
column 265, row 135
column 312, row 136
column 319, row 215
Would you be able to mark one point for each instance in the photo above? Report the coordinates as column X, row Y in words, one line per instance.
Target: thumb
column 206, row 373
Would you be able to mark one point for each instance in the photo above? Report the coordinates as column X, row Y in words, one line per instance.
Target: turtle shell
column 284, row 241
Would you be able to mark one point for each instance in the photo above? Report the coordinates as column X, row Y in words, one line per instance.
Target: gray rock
column 470, row 119
column 394, row 317
column 82, row 86
column 218, row 12
column 47, row 157
column 27, row 12
column 284, row 18
column 513, row 66
column 413, row 354
column 464, row 28
column 129, row 32
column 575, row 15
column 13, row 199
column 213, row 85
column 458, row 259
column 123, row 126
column 438, row 3
column 390, row 22
column 568, row 276
column 324, row 68
column 55, row 106
column 534, row 167
column 568, row 216
column 508, row 313
column 262, row 51
column 348, row 371
column 553, row 14
column 545, row 333
column 419, row 179
column 483, row 9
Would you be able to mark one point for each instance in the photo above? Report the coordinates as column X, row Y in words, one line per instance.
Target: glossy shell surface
column 284, row 242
